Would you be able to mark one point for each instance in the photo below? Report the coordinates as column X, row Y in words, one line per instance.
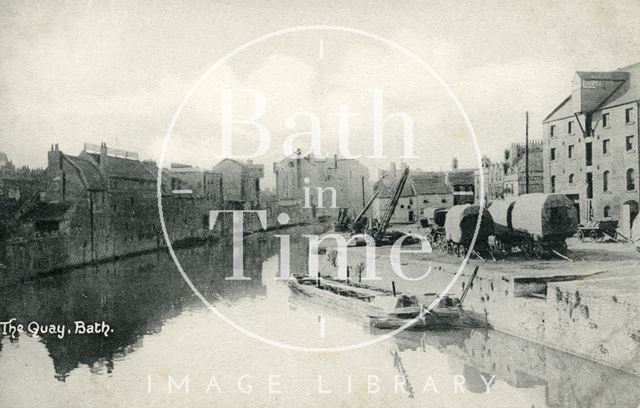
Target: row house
column 422, row 193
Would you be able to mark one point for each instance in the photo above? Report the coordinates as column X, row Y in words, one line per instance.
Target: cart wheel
column 526, row 248
column 461, row 250
column 538, row 251
column 594, row 235
column 456, row 250
column 449, row 248
column 581, row 236
column 563, row 248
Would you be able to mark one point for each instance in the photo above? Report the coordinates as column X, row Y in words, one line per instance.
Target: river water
column 168, row 349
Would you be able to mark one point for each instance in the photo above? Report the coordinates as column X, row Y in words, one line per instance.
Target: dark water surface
column 167, row 349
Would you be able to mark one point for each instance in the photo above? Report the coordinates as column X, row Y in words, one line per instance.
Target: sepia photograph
column 214, row 203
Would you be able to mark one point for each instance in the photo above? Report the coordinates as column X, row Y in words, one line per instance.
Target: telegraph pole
column 526, row 154
column 364, row 204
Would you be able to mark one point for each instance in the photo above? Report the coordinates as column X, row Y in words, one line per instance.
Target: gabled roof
column 88, row 172
column 426, row 184
column 628, row 91
column 244, row 166
column 564, row 110
column 386, row 186
column 461, row 177
column 119, row 167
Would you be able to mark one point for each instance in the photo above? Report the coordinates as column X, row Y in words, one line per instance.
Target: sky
column 116, row 72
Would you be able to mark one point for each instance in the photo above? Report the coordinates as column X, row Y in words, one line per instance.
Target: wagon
column 598, row 230
column 537, row 223
column 436, row 235
column 460, row 227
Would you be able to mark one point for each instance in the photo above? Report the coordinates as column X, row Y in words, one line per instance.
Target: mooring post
column 393, row 288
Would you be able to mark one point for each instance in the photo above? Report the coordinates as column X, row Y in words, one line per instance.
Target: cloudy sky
column 116, row 71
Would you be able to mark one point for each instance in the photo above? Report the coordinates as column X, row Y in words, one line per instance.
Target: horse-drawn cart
column 598, row 231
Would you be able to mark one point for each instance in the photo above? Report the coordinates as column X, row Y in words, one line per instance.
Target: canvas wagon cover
column 544, row 214
column 461, row 222
column 500, row 212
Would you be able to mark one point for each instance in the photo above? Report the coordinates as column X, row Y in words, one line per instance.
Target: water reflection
column 135, row 295
column 567, row 380
column 162, row 330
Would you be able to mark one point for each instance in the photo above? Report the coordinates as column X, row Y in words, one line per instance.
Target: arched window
column 553, row 184
column 571, row 178
column 605, row 181
column 631, row 180
column 607, row 211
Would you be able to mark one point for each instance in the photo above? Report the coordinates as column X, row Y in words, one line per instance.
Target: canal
column 168, row 349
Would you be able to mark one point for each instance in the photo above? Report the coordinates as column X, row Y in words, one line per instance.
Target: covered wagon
column 460, row 226
column 542, row 222
column 436, row 235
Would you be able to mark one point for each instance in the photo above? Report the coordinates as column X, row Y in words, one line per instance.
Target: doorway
column 575, row 199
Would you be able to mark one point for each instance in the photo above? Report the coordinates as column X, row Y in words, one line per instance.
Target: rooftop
column 628, row 91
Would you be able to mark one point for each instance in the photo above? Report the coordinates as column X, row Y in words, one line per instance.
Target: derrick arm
column 364, row 210
column 391, row 207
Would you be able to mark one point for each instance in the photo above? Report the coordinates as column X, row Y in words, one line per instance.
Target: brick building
column 199, row 182
column 101, row 204
column 348, row 177
column 240, row 183
column 463, row 183
column 423, row 190
column 515, row 169
column 492, row 174
column 591, row 145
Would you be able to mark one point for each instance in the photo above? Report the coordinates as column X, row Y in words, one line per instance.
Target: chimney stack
column 54, row 157
column 103, row 154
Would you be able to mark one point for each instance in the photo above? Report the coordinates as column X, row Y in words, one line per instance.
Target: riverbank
column 588, row 306
column 58, row 254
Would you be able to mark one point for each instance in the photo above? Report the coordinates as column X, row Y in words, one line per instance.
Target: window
column 553, row 184
column 588, row 153
column 631, row 180
column 629, row 143
column 571, row 178
column 605, row 120
column 570, row 151
column 605, row 146
column 425, row 201
column 628, row 115
column 444, row 201
column 607, row 211
column 605, row 181
column 570, row 127
column 553, row 153
column 552, row 130
column 589, row 185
